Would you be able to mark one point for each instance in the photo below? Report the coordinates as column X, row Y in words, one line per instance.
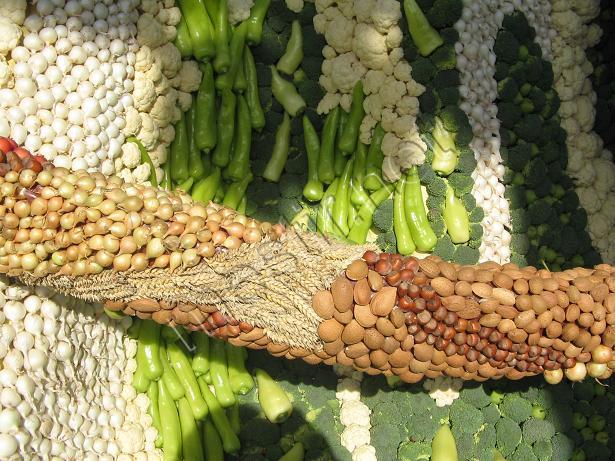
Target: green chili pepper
column 340, row 206
column 241, row 208
column 456, row 217
column 147, row 349
column 358, row 196
column 286, row 94
column 239, row 165
column 352, row 215
column 200, row 28
column 212, row 442
column 326, row 171
column 324, row 221
column 196, row 169
column 240, row 379
column 256, row 20
column 222, row 61
column 205, row 129
column 179, row 151
column 279, row 155
column 200, row 360
column 234, row 419
column 272, row 397
column 171, row 381
column 219, row 374
column 183, row 42
column 154, row 410
column 211, row 6
column 257, row 116
column 313, row 188
column 133, row 329
column 340, row 157
column 236, row 191
column 226, row 80
column 443, row 446
column 146, row 159
column 181, row 365
column 205, row 190
column 207, row 378
column 403, row 236
column 226, row 129
column 292, row 57
column 191, row 440
column 422, row 234
column 350, row 135
column 185, row 185
column 373, row 175
column 241, row 83
column 220, row 193
column 169, row 425
column 230, row 442
column 358, row 232
column 139, row 380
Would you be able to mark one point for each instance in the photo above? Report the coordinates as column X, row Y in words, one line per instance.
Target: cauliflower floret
column 403, row 125
column 328, row 52
column 149, row 31
column 411, row 152
column 150, row 6
column 373, row 106
column 391, row 92
column 414, row 88
column 345, row 71
column 189, row 77
column 322, row 5
column 326, row 82
column 133, row 121
column 126, row 175
column 320, row 23
column 144, row 94
column 598, row 226
column 364, row 453
column 354, row 411
column 370, row 46
column 403, row 71
column 390, row 144
column 385, row 14
column 141, row 173
column 173, row 16
column 390, row 169
column 239, row 10
column 184, row 100
column 396, row 55
column 373, row 81
column 408, row 105
column 6, row 76
column 131, row 156
column 346, row 102
column 354, row 436
column 348, row 389
column 159, row 154
column 328, row 103
column 130, row 437
column 294, row 5
column 363, row 10
column 162, row 111
column 394, row 37
column 170, row 59
column 10, row 33
column 589, row 199
column 148, row 134
column 338, row 33
column 144, row 59
column 13, row 10
column 365, row 130
column 587, row 174
column 387, row 119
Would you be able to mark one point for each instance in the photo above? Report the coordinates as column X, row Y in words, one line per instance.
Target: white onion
column 9, row 397
column 9, row 420
column 25, row 385
column 37, row 359
column 8, row 445
column 23, row 341
column 8, row 377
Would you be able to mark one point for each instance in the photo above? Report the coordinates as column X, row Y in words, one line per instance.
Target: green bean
column 373, row 175
column 279, row 155
column 226, row 80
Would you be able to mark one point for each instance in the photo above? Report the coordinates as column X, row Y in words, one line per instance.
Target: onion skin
column 576, row 373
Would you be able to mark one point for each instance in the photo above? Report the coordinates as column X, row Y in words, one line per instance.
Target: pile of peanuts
column 75, row 223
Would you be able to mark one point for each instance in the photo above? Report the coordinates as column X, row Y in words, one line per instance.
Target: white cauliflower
column 339, row 32
column 391, row 92
column 239, row 10
column 149, row 132
column 133, row 121
column 160, row 153
column 6, row 75
column 13, row 10
column 328, row 103
column 370, row 46
column 131, row 156
column 411, row 152
column 364, row 453
column 184, row 100
column 354, row 411
column 149, row 31
column 144, row 58
column 348, row 389
column 390, row 168
column 346, row 70
column 170, row 59
column 144, row 94
column 141, row 173
column 163, row 109
column 189, row 77
column 373, row 81
column 294, row 5
column 403, row 71
column 354, row 436
column 365, row 130
column 385, row 13
column 394, row 37
column 408, row 105
column 10, row 33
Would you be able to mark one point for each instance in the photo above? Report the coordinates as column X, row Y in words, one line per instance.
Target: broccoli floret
column 563, row 446
column 508, row 436
column 444, row 13
column 461, row 183
column 475, row 395
column 535, row 430
column 538, row 98
column 465, row 443
column 596, row 450
column 465, row 255
column 291, row 186
column 449, row 96
column 491, row 414
column 465, row 134
column 516, row 196
column 506, row 47
column 486, row 440
column 519, row 220
column 535, row 173
column 386, row 437
column 507, row 89
column 529, row 128
column 444, row 58
column 501, row 70
column 545, row 81
column 426, row 174
column 453, row 118
column 383, row 216
column 449, row 35
column 423, row 70
column 543, row 450
column 437, row 222
column 517, row 24
column 476, row 231
column 534, row 69
column 444, row 248
column 387, row 242
column 414, row 451
column 507, row 137
column 437, row 186
column 446, row 78
column 477, row 215
column 272, row 46
column 310, row 90
column 263, row 192
column 539, row 212
column 423, row 426
column 469, row 202
column 519, row 156
column 516, row 408
column 509, row 114
column 518, row 259
column 524, row 452
column 259, row 432
column 435, row 202
column 466, row 162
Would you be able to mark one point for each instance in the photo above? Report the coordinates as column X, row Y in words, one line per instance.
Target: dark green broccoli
column 507, row 89
column 501, row 70
column 263, row 192
column 311, row 65
column 508, row 436
column 465, row 443
column 539, row 212
column 291, row 186
column 477, row 214
column 491, row 414
column 476, row 231
column 529, row 128
column 437, row 186
column 465, row 255
column 486, row 442
column 449, row 35
column 550, row 152
column 535, row 173
column 310, row 90
column 387, row 242
column 449, row 96
column 423, row 70
column 545, row 82
column 518, row 156
column 518, row 259
column 509, row 114
column 507, row 137
column 535, row 430
column 552, row 104
column 465, row 134
column 386, row 437
column 506, row 47
column 524, row 452
column 461, row 183
column 446, row 78
column 422, row 426
column 453, row 118
column 435, row 202
column 475, row 395
column 444, row 13
column 534, row 69
column 518, row 71
column 538, row 98
column 414, row 451
column 444, row 248
column 516, row 408
column 437, row 222
column 563, row 446
column 469, row 202
column 444, row 58
column 516, row 23
column 428, row 101
column 272, row 46
column 520, row 221
column 383, row 216
column 516, row 196
column 426, row 174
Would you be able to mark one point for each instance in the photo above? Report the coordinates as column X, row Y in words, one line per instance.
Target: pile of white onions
column 64, row 380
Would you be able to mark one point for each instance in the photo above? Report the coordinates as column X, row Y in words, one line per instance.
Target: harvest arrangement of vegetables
column 161, row 160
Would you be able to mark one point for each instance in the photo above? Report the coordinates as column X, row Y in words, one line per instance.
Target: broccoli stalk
column 445, row 153
column 425, row 37
column 272, row 398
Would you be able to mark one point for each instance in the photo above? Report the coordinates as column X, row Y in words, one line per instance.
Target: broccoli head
column 516, row 196
column 476, row 231
column 437, row 186
column 516, row 23
column 387, row 242
column 508, row 436
column 446, row 78
column 453, row 118
column 428, row 101
column 423, row 70
column 534, row 69
column 444, row 13
column 444, row 58
column 469, row 203
column 535, row 173
column 545, row 81
column 509, row 114
column 535, row 430
column 414, row 451
column 435, row 202
column 519, row 220
column 449, row 96
column 538, row 98
column 476, row 215
column 465, row 255
column 290, row 186
column 539, row 212
column 501, row 70
column 461, row 183
column 466, row 162
column 383, row 216
column 529, row 128
column 524, row 452
column 506, row 47
column 518, row 259
column 508, row 89
column 444, row 248
column 516, row 408
column 519, row 155
column 437, row 222
column 449, row 35
column 507, row 137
